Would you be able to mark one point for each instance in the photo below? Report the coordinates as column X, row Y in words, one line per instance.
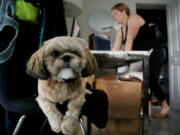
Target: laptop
column 101, row 43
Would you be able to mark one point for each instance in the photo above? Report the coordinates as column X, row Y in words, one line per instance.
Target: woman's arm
column 118, row 41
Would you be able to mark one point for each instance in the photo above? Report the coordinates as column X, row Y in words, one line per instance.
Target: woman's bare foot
column 162, row 113
column 154, row 100
column 164, row 110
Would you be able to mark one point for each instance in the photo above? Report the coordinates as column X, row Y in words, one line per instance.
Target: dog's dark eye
column 55, row 54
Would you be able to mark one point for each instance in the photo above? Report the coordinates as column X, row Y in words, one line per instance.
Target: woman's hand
column 114, row 48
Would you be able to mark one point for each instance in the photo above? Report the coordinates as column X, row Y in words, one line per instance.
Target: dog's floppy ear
column 35, row 66
column 91, row 63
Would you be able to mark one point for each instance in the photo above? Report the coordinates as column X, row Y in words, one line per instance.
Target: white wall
column 90, row 5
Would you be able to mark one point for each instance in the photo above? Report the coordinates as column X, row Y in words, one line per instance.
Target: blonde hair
column 121, row 7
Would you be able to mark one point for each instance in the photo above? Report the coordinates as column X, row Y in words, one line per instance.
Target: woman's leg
column 156, row 62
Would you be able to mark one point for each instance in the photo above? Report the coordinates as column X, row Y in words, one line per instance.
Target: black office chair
column 95, row 108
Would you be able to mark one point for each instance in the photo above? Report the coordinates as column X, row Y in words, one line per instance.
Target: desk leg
column 145, row 118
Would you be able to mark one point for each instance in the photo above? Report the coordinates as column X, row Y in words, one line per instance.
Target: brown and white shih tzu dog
column 60, row 66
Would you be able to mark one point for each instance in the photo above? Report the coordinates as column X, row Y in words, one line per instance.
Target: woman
column 131, row 25
column 135, row 35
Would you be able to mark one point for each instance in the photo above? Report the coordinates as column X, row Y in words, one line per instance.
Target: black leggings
column 156, row 62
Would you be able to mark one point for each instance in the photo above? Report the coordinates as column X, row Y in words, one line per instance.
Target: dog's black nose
column 68, row 80
column 66, row 58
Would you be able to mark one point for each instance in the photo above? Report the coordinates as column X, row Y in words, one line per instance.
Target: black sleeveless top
column 145, row 39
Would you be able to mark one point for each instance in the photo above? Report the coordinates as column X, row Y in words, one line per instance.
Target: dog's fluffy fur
column 60, row 66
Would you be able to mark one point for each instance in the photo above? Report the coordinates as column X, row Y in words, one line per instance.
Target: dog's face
column 63, row 59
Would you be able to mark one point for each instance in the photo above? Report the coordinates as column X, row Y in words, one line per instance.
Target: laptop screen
column 101, row 43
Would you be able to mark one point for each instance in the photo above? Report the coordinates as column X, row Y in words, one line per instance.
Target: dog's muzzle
column 66, row 75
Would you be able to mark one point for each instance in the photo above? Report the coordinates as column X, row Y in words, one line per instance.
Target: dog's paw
column 55, row 124
column 68, row 125
column 88, row 91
